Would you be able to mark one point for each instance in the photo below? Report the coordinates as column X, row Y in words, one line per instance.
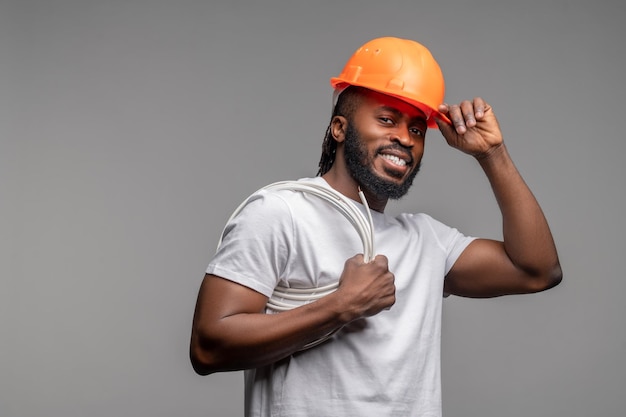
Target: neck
column 341, row 180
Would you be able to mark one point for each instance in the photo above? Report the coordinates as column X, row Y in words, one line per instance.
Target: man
column 384, row 357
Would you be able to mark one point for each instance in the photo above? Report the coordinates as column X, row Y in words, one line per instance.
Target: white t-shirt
column 390, row 367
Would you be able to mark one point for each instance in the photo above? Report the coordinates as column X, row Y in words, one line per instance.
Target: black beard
column 359, row 165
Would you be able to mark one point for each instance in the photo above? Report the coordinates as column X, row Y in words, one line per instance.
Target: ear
column 338, row 128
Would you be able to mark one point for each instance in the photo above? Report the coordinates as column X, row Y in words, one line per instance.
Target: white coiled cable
column 286, row 298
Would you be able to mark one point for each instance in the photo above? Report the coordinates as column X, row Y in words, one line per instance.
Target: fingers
column 465, row 114
column 378, row 259
column 367, row 288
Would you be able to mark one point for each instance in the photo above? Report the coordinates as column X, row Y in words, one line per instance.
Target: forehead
column 373, row 100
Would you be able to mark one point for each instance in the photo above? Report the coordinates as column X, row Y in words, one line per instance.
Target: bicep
column 485, row 270
column 219, row 298
column 218, row 301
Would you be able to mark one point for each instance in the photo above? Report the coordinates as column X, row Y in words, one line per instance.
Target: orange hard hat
column 399, row 68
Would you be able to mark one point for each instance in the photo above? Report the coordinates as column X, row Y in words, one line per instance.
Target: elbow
column 200, row 362
column 556, row 276
column 200, row 366
column 203, row 358
column 548, row 279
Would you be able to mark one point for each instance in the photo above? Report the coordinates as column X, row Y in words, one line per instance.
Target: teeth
column 395, row 160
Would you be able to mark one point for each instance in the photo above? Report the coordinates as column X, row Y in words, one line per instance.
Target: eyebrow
column 398, row 113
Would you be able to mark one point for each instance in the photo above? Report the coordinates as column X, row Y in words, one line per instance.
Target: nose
column 402, row 135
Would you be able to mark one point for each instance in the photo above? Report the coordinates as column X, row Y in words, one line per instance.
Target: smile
column 394, row 160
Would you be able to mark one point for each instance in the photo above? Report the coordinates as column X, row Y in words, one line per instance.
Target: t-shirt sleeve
column 451, row 240
column 254, row 250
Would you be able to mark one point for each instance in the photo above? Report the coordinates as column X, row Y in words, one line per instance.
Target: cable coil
column 286, row 298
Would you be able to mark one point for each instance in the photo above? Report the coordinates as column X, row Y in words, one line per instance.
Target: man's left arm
column 526, row 260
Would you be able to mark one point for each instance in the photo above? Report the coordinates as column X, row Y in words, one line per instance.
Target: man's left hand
column 474, row 129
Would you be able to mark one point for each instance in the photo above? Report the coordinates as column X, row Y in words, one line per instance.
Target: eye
column 386, row 120
column 417, row 131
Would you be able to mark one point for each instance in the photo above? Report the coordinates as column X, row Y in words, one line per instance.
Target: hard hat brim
column 431, row 113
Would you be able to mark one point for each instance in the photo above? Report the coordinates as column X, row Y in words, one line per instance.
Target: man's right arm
column 231, row 331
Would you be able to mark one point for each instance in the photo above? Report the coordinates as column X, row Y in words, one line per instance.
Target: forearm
column 527, row 238
column 249, row 340
column 231, row 331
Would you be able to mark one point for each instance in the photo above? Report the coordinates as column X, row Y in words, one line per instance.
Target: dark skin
column 230, row 330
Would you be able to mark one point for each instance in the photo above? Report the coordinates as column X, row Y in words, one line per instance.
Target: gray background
column 132, row 129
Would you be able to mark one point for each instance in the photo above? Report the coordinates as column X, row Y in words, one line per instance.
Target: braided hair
column 347, row 103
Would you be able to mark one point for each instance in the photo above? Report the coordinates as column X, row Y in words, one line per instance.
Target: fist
column 366, row 288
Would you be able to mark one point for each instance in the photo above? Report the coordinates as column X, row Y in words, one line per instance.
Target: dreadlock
column 347, row 103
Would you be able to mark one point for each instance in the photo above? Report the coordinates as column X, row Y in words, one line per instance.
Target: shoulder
column 429, row 228
column 423, row 222
column 299, row 198
column 273, row 199
column 273, row 205
column 262, row 213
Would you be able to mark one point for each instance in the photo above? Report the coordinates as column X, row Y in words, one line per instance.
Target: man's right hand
column 365, row 289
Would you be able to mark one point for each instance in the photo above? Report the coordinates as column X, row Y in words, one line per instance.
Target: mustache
column 399, row 148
